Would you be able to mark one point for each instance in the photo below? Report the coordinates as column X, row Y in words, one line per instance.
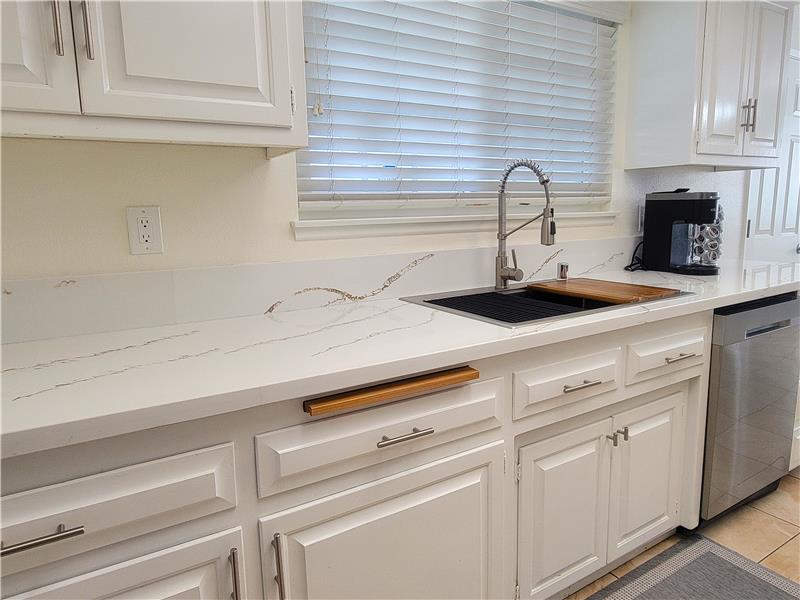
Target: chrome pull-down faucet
column 504, row 273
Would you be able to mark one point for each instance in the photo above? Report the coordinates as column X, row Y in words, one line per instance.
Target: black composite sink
column 516, row 306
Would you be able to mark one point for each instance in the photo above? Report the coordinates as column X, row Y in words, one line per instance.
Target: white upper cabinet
column 216, row 72
column 224, row 62
column 707, row 88
column 724, row 85
column 767, row 63
column 38, row 57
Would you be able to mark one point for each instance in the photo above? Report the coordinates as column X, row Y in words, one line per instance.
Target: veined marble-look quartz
column 73, row 389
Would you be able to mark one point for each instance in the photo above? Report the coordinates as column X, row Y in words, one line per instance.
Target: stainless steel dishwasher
column 752, row 397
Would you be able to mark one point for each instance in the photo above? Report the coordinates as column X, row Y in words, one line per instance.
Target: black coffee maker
column 682, row 232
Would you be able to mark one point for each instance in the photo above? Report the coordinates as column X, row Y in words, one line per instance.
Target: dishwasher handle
column 763, row 329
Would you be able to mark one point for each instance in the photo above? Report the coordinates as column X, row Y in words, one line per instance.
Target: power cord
column 636, row 261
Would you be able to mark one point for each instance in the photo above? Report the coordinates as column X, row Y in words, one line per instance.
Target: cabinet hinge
column 516, row 592
column 677, row 506
column 291, row 99
column 518, row 472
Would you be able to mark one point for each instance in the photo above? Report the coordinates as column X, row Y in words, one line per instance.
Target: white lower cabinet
column 645, row 473
column 563, row 508
column 200, row 569
column 429, row 532
column 592, row 494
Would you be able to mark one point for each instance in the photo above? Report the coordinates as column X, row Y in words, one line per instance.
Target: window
column 415, row 108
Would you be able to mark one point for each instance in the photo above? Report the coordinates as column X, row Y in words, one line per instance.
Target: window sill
column 331, row 229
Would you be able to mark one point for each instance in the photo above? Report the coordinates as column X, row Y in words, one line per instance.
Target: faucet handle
column 514, row 257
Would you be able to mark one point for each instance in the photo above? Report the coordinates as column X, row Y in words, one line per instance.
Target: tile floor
column 767, row 531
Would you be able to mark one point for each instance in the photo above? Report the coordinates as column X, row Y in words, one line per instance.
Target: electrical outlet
column 144, row 230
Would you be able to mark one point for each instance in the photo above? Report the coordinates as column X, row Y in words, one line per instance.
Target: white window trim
column 331, row 229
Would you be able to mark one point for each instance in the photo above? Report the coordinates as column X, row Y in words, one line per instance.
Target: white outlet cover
column 137, row 238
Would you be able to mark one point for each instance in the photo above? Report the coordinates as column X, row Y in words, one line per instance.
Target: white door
column 645, row 473
column 430, row 532
column 200, row 569
column 773, row 202
column 726, row 57
column 563, row 509
column 770, row 38
column 218, row 61
column 38, row 58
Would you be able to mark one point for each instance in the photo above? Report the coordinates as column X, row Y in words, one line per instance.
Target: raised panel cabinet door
column 766, row 79
column 38, row 57
column 430, row 532
column 212, row 61
column 773, row 203
column 563, row 509
column 201, row 569
column 645, row 473
column 723, row 90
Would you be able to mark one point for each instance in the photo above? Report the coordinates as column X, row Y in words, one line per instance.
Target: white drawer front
column 664, row 355
column 119, row 504
column 288, row 458
column 200, row 569
column 552, row 385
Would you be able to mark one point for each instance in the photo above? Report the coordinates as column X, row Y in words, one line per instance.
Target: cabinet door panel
column 224, row 62
column 197, row 569
column 563, row 509
column 34, row 77
column 645, row 472
column 726, row 55
column 431, row 532
column 766, row 78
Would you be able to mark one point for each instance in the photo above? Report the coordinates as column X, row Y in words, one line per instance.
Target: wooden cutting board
column 603, row 291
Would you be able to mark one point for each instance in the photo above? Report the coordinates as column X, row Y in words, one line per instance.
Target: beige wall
column 63, row 209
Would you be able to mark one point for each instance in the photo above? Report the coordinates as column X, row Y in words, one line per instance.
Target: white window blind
column 415, row 107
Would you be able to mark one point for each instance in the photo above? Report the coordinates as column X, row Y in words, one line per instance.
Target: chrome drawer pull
column 62, row 533
column 587, row 383
column 233, row 558
column 415, row 433
column 680, row 357
column 614, row 438
column 276, row 542
column 58, row 30
column 626, row 433
column 87, row 30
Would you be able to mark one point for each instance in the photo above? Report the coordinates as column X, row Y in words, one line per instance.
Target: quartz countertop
column 68, row 390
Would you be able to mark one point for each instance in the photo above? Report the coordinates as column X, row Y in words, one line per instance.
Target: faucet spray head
column 548, row 228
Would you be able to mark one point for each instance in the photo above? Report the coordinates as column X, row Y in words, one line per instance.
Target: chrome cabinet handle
column 233, row 558
column 626, row 434
column 415, row 433
column 614, row 438
column 747, row 107
column 755, row 114
column 276, row 543
column 59, row 33
column 62, row 533
column 582, row 386
column 87, row 30
column 680, row 357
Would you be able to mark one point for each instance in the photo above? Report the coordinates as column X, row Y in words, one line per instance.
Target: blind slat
column 424, row 103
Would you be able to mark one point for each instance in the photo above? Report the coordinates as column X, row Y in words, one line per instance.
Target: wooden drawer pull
column 389, row 391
